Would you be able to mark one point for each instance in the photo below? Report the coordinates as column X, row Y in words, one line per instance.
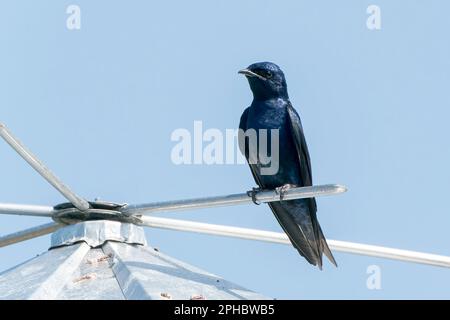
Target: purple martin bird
column 271, row 109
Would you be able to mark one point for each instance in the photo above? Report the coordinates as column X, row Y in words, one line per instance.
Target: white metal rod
column 37, row 165
column 262, row 196
column 26, row 210
column 275, row 237
column 29, row 234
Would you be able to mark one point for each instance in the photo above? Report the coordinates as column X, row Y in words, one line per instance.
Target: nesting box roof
column 111, row 260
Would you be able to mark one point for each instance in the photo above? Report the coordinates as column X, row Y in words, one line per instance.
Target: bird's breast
column 267, row 118
column 286, row 159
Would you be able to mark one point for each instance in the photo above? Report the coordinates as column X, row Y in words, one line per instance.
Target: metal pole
column 37, row 165
column 26, row 210
column 262, row 196
column 29, row 234
column 275, row 237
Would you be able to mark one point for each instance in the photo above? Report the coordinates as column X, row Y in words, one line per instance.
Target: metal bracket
column 67, row 213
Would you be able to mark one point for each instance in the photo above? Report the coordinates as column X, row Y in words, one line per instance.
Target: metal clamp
column 67, row 213
column 252, row 193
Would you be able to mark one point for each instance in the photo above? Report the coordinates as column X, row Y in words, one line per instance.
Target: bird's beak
column 249, row 73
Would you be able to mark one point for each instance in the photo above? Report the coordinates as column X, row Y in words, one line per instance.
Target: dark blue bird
column 271, row 109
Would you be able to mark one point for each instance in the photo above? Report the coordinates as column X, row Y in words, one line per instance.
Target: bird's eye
column 266, row 74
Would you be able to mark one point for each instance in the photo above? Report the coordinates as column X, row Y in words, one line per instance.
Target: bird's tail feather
column 325, row 249
column 303, row 230
column 300, row 235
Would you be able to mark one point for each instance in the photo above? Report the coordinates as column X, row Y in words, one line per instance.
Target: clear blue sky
column 98, row 105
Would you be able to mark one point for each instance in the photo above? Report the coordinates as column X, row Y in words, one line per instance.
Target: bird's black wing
column 296, row 226
column 306, row 176
column 302, row 151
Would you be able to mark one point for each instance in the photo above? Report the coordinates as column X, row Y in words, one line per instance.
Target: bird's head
column 266, row 80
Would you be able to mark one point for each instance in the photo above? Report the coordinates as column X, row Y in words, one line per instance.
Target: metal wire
column 26, row 210
column 37, row 165
column 262, row 196
column 29, row 234
column 275, row 237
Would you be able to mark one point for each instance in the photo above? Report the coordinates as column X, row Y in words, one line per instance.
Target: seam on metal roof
column 56, row 282
column 94, row 279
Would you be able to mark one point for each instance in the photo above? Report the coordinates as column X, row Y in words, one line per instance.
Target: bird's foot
column 283, row 189
column 252, row 193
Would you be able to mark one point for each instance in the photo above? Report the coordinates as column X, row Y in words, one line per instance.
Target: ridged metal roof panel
column 110, row 268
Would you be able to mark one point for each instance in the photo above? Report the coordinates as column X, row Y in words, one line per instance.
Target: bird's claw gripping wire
column 252, row 193
column 283, row 189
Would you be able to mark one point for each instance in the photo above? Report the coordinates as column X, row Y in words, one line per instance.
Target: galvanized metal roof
column 111, row 260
